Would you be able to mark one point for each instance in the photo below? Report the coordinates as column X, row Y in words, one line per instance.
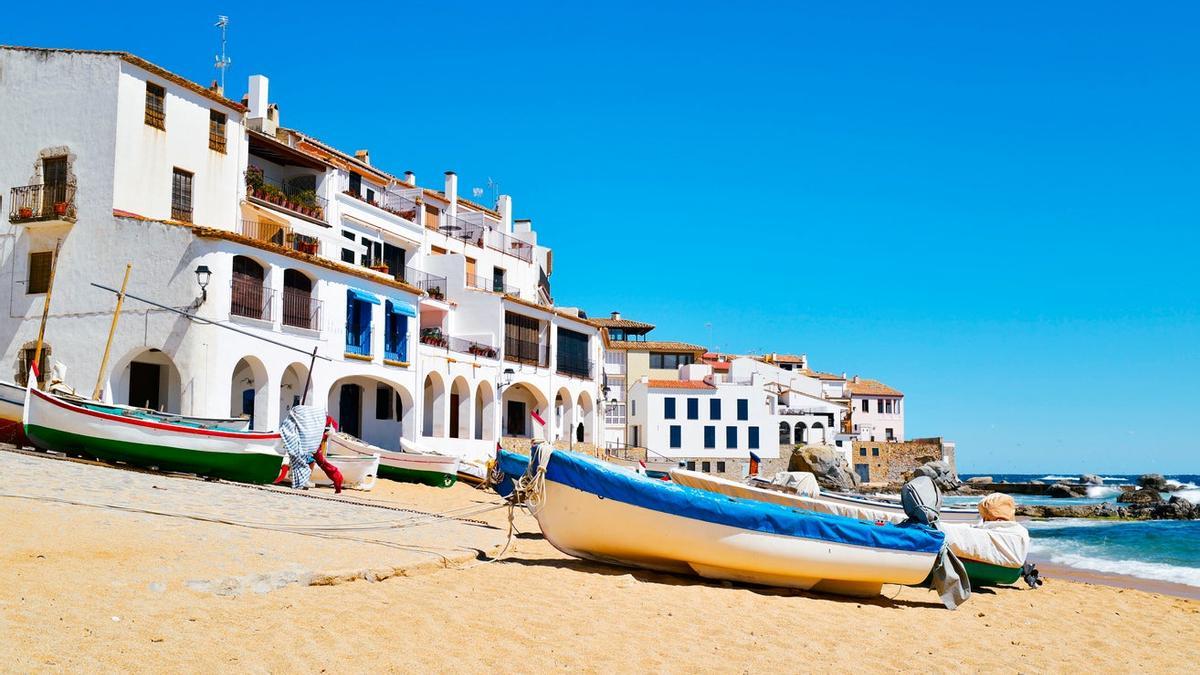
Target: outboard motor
column 922, row 503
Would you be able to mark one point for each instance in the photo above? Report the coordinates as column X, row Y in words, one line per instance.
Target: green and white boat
column 54, row 423
column 429, row 468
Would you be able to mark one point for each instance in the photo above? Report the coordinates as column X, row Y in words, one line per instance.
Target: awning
column 363, row 296
column 401, row 307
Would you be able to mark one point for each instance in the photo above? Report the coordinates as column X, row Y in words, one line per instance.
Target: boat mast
column 112, row 330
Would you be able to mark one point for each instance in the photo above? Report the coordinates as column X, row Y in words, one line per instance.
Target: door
column 472, row 280
column 54, row 177
column 864, row 472
column 248, row 405
column 454, row 416
column 350, row 410
column 143, row 385
column 516, row 418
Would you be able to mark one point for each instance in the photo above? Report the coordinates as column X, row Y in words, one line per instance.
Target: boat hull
column 410, row 467
column 53, row 424
column 12, row 403
column 637, row 521
column 986, row 574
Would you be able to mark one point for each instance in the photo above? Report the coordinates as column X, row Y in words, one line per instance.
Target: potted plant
column 25, row 212
column 436, row 292
column 60, row 208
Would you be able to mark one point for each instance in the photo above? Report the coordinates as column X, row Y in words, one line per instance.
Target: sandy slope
column 535, row 610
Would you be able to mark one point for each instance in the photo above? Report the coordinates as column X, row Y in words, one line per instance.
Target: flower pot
column 60, row 208
column 25, row 212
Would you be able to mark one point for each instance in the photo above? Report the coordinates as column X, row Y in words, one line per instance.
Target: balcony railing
column 261, row 230
column 498, row 241
column 301, row 310
column 305, row 244
column 526, row 351
column 574, row 366
column 432, row 284
column 396, row 203
column 249, row 298
column 359, row 342
column 31, row 203
column 287, row 195
column 434, row 337
column 491, row 284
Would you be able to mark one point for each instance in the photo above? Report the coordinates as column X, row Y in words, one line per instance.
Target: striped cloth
column 301, row 433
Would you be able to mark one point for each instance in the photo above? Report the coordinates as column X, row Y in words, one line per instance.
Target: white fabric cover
column 802, row 483
column 998, row 542
column 703, row 481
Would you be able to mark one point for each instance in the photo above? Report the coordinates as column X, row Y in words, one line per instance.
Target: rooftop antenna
column 494, row 186
column 476, row 192
column 222, row 61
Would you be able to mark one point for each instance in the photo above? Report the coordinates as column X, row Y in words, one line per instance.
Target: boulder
column 1063, row 491
column 1140, row 496
column 1154, row 481
column 980, row 480
column 1109, row 510
column 1091, row 479
column 828, row 465
column 940, row 472
column 1177, row 508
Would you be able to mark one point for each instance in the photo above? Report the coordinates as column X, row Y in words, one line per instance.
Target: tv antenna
column 494, row 186
column 476, row 192
column 222, row 61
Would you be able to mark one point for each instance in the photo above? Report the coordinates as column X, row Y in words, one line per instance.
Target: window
column 714, row 408
column 370, row 195
column 156, row 112
column 395, row 338
column 887, row 406
column 730, row 437
column 349, row 235
column 710, row 437
column 358, row 322
column 753, row 438
column 875, row 452
column 355, row 184
column 400, row 412
column 676, row 436
column 743, row 409
column 614, row 413
column 216, row 131
column 866, row 405
column 181, row 196
column 633, row 409
column 572, row 353
column 523, row 340
column 670, row 361
column 706, row 466
column 498, row 279
column 383, row 402
column 720, row 467
column 891, row 433
column 347, row 256
column 862, row 452
column 693, row 408
column 838, row 443
column 669, row 408
column 691, row 466
column 617, row 334
column 39, row 272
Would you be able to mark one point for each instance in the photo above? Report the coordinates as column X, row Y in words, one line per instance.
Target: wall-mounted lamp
column 203, row 275
column 506, row 378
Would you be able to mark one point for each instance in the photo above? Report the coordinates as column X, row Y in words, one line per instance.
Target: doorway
column 864, row 472
column 454, row 416
column 350, row 410
column 516, row 418
column 144, row 385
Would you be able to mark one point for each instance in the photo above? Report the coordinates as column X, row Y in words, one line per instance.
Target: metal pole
column 37, row 352
column 308, row 380
column 112, row 330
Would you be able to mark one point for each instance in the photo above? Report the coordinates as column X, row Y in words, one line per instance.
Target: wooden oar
column 37, row 352
column 112, row 330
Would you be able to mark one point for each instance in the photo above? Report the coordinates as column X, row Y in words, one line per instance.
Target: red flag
column 537, row 418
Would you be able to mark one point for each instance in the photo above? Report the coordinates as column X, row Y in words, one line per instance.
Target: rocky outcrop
column 1091, row 479
column 1154, row 481
column 941, row 474
column 980, row 480
column 828, row 465
column 1065, row 491
column 1177, row 508
column 1144, row 495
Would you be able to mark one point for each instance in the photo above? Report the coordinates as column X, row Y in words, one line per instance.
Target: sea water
column 1162, row 550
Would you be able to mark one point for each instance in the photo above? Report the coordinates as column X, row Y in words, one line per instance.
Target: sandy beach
column 125, row 583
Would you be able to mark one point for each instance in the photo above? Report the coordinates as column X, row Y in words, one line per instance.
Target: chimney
column 452, row 192
column 804, row 361
column 216, row 88
column 410, row 178
column 523, row 225
column 504, row 206
column 258, row 97
column 855, row 379
column 616, row 316
column 363, row 156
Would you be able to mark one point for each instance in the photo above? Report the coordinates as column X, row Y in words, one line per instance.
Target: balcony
column 392, row 201
column 491, row 284
column 435, row 338
column 572, row 366
column 51, row 204
column 288, row 196
column 432, row 284
column 498, row 241
column 527, row 352
column 279, row 235
column 250, row 299
column 301, row 310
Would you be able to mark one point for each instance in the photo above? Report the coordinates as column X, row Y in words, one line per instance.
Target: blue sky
column 992, row 209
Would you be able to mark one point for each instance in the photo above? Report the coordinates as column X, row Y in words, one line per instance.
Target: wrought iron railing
column 305, row 244
column 265, row 231
column 432, row 284
column 288, row 195
column 492, row 284
column 526, row 351
column 498, row 241
column 398, row 204
column 434, row 337
column 55, row 201
column 301, row 309
column 573, row 366
column 182, row 214
column 249, row 298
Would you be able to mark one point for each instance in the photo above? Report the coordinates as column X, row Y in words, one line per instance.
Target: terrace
column 278, row 234
column 48, row 203
column 434, row 337
column 296, row 196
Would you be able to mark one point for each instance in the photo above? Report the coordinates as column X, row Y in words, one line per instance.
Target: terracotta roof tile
column 870, row 387
column 623, row 323
column 679, row 384
column 654, row 346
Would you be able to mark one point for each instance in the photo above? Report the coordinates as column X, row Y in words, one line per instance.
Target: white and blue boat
column 591, row 509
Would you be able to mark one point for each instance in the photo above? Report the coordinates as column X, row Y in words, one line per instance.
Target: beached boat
column 594, row 510
column 847, row 504
column 992, row 552
column 358, row 471
column 227, row 423
column 12, row 402
column 53, row 423
column 406, row 464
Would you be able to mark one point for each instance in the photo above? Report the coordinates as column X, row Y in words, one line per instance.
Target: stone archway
column 372, row 409
column 433, row 406
column 586, row 423
column 460, row 409
column 485, row 412
column 147, row 378
column 801, row 434
column 248, row 392
column 564, row 415
column 517, row 402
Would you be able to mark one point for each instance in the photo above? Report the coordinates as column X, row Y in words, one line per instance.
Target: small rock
column 980, row 480
column 1143, row 495
column 1063, row 491
column 1154, row 481
column 1091, row 479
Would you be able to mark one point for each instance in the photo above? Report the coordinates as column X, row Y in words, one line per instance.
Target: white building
column 876, row 410
column 431, row 315
column 707, row 425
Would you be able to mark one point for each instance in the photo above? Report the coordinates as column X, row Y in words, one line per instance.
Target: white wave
column 1102, row 491
column 1053, row 477
column 1053, row 523
column 1174, row 485
column 1192, row 496
column 1134, row 568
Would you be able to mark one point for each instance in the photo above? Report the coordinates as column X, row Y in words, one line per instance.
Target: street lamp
column 203, row 274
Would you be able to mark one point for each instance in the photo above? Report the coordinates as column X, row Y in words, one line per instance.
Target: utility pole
column 222, row 61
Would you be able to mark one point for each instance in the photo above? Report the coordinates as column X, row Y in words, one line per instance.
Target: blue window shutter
column 669, row 408
column 753, row 438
